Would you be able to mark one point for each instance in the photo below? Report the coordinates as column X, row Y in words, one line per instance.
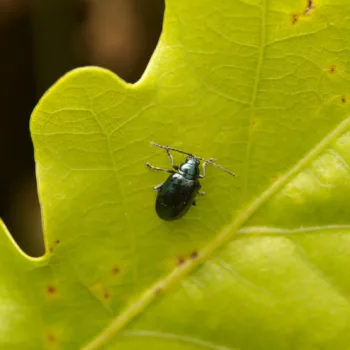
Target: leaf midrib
column 179, row 273
column 253, row 100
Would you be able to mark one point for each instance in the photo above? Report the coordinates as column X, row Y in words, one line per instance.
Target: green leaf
column 263, row 87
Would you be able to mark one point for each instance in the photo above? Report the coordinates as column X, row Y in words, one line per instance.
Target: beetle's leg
column 201, row 193
column 171, row 160
column 204, row 165
column 158, row 187
column 160, row 169
column 194, row 203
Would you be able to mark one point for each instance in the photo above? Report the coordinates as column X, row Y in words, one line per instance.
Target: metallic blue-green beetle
column 178, row 193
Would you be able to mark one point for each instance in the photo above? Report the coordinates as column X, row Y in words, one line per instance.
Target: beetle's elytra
column 178, row 193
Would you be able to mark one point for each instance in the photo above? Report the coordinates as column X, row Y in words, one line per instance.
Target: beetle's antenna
column 190, row 154
column 217, row 165
column 171, row 149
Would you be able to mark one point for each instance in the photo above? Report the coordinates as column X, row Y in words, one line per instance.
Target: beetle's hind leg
column 160, row 169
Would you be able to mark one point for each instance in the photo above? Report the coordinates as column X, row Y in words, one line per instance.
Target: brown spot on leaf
column 295, row 18
column 115, row 270
column 56, row 242
column 106, row 295
column 331, row 69
column 51, row 289
column 194, row 255
column 343, row 99
column 310, row 6
column 180, row 260
column 51, row 338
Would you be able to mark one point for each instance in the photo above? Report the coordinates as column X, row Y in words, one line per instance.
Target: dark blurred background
column 41, row 40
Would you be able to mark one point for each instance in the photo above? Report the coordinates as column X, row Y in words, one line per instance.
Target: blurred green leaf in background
column 262, row 261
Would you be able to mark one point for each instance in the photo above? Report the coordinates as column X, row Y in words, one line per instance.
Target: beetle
column 178, row 193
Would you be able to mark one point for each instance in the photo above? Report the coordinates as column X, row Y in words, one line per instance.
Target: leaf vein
column 177, row 337
column 253, row 100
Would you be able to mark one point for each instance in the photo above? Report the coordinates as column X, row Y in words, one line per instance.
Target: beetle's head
column 192, row 160
column 190, row 167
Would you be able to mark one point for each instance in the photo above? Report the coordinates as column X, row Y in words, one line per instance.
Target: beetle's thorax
column 190, row 169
